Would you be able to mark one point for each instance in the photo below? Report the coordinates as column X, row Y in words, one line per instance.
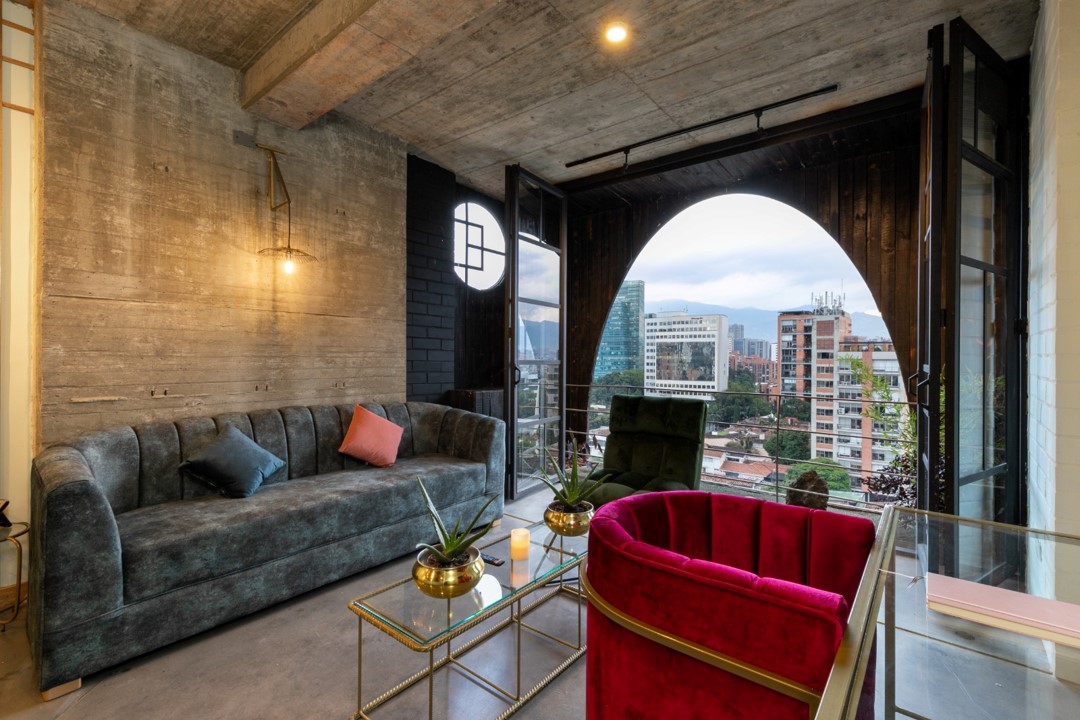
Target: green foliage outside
column 623, row 382
column 728, row 407
column 835, row 476
column 789, row 445
column 795, row 408
column 898, row 477
column 881, row 408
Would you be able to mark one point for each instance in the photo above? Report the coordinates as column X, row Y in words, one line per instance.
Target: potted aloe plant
column 451, row 567
column 570, row 512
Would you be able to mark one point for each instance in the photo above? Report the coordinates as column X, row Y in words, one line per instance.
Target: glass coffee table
column 504, row 598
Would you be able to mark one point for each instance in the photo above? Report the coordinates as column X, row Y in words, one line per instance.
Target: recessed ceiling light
column 616, row 32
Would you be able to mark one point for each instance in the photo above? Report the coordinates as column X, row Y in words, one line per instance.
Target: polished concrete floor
column 298, row 660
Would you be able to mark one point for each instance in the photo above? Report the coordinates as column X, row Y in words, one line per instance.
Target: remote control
column 492, row 559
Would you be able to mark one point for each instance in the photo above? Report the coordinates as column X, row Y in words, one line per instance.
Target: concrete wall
column 155, row 303
column 1054, row 346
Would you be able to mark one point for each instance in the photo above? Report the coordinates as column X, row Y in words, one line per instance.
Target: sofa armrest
column 489, row 446
column 481, row 438
column 76, row 573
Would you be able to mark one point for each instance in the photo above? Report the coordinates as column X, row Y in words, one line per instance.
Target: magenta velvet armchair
column 764, row 584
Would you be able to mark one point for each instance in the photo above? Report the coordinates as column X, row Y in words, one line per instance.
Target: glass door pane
column 983, row 363
column 536, row 220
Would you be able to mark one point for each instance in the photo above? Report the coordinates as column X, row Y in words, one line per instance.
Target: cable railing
column 737, row 461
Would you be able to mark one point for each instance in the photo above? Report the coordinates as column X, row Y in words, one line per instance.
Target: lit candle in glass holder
column 519, row 544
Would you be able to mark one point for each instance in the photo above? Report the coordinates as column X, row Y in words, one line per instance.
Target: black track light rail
column 625, row 150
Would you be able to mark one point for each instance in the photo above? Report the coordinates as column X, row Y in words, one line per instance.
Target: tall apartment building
column 685, row 355
column 864, row 445
column 736, row 335
column 816, row 348
column 622, row 344
column 763, row 369
column 753, row 347
column 739, row 344
column 809, row 341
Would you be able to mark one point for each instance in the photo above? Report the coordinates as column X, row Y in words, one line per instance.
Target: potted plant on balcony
column 570, row 512
column 452, row 567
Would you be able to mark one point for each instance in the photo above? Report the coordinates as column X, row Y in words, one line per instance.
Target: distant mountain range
column 761, row 324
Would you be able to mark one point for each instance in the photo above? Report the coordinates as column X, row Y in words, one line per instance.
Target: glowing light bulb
column 616, row 32
column 289, row 266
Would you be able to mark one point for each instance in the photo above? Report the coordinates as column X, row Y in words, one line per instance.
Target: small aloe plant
column 574, row 489
column 452, row 543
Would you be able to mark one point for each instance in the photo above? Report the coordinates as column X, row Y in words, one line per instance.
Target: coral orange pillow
column 371, row 438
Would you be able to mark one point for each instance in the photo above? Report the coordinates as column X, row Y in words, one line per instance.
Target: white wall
column 1054, row 345
column 17, row 286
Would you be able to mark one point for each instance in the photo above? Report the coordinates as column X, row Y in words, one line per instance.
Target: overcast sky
column 747, row 251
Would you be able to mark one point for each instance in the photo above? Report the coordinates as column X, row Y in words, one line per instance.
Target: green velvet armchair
column 656, row 443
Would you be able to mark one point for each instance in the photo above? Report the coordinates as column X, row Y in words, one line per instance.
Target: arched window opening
column 750, row 305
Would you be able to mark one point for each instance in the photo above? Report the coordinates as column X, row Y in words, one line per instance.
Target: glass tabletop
column 422, row 622
column 972, row 619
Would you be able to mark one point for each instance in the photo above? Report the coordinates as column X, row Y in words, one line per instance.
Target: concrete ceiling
column 478, row 84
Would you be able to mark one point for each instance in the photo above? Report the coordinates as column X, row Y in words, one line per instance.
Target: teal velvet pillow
column 233, row 464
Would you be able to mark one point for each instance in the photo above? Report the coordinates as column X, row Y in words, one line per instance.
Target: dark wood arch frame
column 867, row 202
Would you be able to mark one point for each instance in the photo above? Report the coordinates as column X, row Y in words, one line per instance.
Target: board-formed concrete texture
column 479, row 84
column 155, row 302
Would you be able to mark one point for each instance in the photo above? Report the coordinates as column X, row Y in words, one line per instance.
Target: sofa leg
column 497, row 522
column 61, row 690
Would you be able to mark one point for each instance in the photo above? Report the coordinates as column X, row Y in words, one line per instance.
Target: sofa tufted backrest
column 138, row 466
column 821, row 549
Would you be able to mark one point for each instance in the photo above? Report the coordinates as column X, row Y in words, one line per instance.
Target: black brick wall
column 431, row 287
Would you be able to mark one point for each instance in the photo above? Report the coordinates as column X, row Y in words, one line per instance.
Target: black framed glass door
column 535, row 335
column 985, row 363
column 971, row 315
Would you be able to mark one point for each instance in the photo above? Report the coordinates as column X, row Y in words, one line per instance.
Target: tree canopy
column 623, row 382
column 795, row 408
column 742, row 400
column 789, row 445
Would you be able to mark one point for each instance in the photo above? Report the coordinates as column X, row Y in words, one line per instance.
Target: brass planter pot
column 568, row 524
column 447, row 582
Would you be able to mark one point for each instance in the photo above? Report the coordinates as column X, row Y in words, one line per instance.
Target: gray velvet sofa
column 129, row 555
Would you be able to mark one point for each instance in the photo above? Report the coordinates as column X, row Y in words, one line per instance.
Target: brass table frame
column 13, row 539
column 518, row 611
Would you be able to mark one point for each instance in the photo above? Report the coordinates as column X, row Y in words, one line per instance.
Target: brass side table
column 425, row 624
column 18, row 529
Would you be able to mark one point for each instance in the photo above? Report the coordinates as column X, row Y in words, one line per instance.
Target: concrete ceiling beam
column 339, row 47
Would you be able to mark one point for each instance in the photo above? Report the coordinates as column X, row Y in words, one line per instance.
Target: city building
column 685, row 355
column 739, row 343
column 622, row 344
column 816, row 354
column 736, row 335
column 757, row 348
column 764, row 369
column 866, row 444
column 808, row 341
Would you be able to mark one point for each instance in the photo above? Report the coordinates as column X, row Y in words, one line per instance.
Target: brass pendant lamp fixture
column 290, row 255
